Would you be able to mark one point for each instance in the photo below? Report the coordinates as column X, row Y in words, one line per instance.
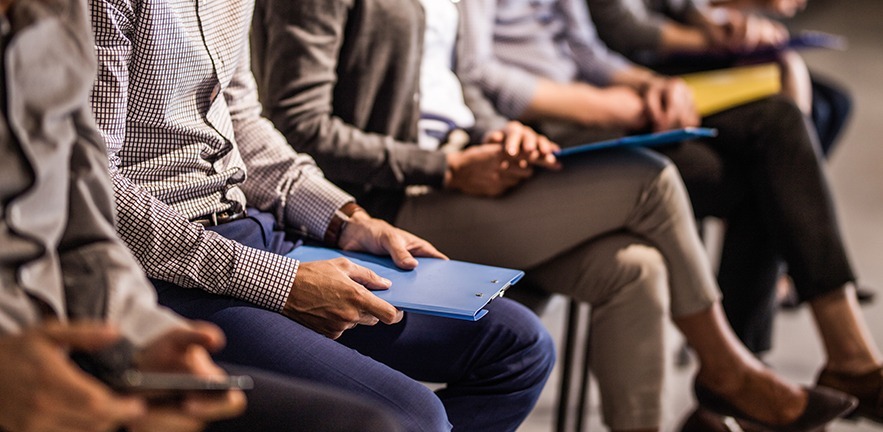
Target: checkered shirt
column 177, row 104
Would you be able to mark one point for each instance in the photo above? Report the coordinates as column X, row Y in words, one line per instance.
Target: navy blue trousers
column 493, row 369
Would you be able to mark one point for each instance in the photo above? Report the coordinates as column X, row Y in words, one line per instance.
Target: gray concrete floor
column 856, row 174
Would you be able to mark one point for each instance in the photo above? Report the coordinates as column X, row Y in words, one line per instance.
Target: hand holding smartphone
column 113, row 366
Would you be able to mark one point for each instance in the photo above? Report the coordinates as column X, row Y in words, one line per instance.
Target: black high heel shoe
column 822, row 406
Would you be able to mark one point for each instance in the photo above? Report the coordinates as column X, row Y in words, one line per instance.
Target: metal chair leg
column 570, row 333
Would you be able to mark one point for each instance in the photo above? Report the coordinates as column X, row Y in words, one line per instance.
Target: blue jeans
column 494, row 369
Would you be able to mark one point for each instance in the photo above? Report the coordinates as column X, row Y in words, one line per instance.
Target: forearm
column 575, row 102
column 678, row 38
column 171, row 248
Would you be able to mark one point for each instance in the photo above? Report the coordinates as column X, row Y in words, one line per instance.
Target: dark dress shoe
column 868, row 388
column 822, row 406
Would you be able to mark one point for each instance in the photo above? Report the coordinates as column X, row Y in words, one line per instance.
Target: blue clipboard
column 643, row 140
column 452, row 289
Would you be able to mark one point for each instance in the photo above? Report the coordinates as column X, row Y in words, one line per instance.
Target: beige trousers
column 613, row 229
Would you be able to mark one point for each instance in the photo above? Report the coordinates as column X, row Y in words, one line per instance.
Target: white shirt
column 440, row 89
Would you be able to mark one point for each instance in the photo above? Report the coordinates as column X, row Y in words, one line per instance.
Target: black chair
column 576, row 326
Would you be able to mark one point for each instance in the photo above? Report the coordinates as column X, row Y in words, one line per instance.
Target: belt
column 220, row 218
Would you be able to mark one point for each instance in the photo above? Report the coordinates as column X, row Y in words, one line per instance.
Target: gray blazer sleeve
column 297, row 45
column 91, row 254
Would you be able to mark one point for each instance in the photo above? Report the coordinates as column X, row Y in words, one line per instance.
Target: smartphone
column 113, row 366
column 133, row 381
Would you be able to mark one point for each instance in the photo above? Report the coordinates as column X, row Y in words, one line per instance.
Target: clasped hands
column 504, row 159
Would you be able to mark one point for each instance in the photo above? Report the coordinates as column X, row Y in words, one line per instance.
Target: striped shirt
column 177, row 103
column 510, row 44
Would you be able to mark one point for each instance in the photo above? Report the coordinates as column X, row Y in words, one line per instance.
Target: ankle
column 852, row 365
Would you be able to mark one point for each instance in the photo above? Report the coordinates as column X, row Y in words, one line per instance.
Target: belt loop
column 214, row 218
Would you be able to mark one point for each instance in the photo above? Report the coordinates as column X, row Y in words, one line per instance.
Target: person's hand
column 525, row 145
column 333, row 296
column 485, row 170
column 669, row 104
column 186, row 350
column 786, row 8
column 747, row 32
column 44, row 391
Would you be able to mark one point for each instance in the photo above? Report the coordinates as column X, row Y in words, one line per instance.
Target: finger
column 83, row 336
column 528, row 141
column 168, row 419
column 367, row 278
column 385, row 312
column 653, row 103
column 200, row 333
column 422, row 248
column 215, row 407
column 368, row 320
column 495, row 137
column 512, row 144
column 395, row 244
column 517, row 172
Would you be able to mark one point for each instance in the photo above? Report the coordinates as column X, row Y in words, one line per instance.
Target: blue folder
column 643, row 140
column 453, row 289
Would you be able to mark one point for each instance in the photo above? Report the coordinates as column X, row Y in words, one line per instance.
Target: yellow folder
column 718, row 90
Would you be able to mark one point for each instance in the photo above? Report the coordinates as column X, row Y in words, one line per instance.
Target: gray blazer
column 60, row 255
column 340, row 78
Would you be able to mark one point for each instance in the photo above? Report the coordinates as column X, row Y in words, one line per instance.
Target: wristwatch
column 338, row 222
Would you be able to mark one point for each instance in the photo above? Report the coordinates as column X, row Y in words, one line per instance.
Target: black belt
column 220, row 218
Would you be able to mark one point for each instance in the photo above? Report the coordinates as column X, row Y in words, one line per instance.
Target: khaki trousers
column 613, row 229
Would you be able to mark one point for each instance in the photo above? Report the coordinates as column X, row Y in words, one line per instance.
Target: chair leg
column 582, row 407
column 570, row 334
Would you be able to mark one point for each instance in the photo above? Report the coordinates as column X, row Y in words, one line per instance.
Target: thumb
column 199, row 333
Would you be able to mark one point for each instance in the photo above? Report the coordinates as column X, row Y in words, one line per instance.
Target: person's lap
column 507, row 354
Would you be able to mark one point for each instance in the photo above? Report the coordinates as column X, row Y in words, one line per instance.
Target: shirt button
column 416, row 97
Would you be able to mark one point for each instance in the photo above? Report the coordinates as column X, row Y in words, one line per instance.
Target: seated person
column 69, row 284
column 190, row 154
column 612, row 229
column 762, row 174
column 654, row 33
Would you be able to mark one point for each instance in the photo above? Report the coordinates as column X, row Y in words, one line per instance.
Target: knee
column 421, row 410
column 526, row 343
column 645, row 279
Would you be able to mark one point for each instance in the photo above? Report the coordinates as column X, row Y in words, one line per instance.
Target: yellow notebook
column 718, row 90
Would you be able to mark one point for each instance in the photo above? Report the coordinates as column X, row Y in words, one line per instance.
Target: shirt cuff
column 311, row 209
column 264, row 278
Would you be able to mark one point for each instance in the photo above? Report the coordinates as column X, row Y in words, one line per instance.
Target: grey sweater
column 340, row 78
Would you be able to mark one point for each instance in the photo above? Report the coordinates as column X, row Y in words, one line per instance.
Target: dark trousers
column 494, row 369
column 763, row 176
column 280, row 403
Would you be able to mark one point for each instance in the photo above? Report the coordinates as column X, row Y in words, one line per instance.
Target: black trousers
column 763, row 176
